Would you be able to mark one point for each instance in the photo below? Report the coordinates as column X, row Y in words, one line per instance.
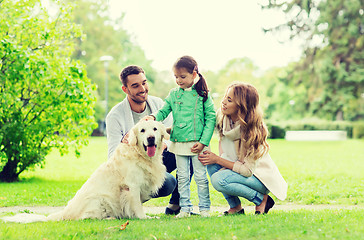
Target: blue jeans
column 233, row 185
column 168, row 186
column 199, row 171
column 169, row 160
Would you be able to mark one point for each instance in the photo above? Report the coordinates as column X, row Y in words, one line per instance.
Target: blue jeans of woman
column 200, row 176
column 233, row 185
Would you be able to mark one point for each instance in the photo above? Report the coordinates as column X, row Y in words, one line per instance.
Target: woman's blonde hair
column 253, row 130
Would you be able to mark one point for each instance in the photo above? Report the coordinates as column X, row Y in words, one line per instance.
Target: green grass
column 303, row 224
column 321, row 172
column 317, row 173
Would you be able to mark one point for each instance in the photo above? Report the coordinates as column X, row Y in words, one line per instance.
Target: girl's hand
column 197, row 148
column 207, row 158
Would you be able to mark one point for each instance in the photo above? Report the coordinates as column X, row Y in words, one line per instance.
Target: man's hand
column 125, row 138
column 148, row 118
column 197, row 148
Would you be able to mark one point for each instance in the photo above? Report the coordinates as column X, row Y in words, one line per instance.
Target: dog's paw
column 142, row 216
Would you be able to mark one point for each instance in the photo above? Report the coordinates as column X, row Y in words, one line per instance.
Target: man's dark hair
column 129, row 70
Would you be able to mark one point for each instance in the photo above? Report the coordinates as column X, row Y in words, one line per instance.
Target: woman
column 244, row 167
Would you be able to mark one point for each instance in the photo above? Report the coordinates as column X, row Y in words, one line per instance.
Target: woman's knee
column 216, row 182
column 213, row 168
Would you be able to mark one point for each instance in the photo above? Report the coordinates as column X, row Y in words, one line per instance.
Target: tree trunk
column 9, row 174
column 339, row 116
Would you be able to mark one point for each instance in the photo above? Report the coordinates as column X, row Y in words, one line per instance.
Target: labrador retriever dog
column 119, row 186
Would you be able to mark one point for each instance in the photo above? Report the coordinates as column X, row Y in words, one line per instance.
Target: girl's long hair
column 190, row 64
column 254, row 132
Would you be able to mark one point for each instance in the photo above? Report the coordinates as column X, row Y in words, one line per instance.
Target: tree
column 106, row 36
column 46, row 98
column 332, row 68
column 237, row 69
column 282, row 102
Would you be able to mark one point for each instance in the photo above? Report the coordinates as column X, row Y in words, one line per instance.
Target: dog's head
column 148, row 136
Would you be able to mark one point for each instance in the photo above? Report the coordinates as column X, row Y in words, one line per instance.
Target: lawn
column 334, row 224
column 317, row 173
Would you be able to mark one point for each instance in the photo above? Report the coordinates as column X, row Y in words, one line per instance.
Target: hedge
column 278, row 129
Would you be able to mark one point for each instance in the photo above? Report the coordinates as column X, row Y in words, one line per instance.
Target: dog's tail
column 32, row 217
column 55, row 216
column 25, row 218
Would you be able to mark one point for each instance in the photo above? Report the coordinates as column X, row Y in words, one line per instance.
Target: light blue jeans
column 233, row 185
column 199, row 173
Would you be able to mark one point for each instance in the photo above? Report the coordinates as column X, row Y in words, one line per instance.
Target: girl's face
column 229, row 106
column 184, row 79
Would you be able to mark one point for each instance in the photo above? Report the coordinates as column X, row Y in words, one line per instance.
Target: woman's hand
column 207, row 158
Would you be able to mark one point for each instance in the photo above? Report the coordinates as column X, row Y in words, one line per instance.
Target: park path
column 158, row 210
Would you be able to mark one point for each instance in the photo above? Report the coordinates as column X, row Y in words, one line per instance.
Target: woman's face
column 229, row 106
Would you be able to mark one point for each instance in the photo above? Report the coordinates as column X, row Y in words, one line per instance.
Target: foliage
column 165, row 79
column 235, row 70
column 283, row 101
column 277, row 129
column 46, row 98
column 104, row 35
column 358, row 130
column 330, row 77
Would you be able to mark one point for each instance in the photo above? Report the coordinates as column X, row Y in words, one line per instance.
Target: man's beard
column 134, row 99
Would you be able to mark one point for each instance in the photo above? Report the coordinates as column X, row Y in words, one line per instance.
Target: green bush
column 275, row 130
column 358, row 130
column 278, row 129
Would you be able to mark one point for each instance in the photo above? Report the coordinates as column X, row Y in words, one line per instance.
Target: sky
column 211, row 31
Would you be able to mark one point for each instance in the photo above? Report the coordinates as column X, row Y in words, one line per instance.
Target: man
column 127, row 113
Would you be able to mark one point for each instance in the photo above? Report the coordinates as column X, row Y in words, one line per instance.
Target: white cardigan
column 120, row 120
column 264, row 168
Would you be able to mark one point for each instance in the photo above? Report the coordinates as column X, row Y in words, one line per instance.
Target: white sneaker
column 183, row 215
column 205, row 213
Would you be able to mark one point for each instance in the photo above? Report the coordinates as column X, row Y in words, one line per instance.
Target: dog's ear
column 133, row 136
column 164, row 133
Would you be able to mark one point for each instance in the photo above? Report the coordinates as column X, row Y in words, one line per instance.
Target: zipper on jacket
column 194, row 119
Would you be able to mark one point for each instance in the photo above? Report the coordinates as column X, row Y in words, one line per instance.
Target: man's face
column 137, row 88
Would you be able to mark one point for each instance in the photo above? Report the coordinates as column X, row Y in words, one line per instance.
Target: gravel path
column 158, row 210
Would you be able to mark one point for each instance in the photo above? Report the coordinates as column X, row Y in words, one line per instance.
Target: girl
column 244, row 167
column 193, row 126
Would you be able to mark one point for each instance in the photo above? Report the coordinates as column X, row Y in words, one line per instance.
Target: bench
column 315, row 135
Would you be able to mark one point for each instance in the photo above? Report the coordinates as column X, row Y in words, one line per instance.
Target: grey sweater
column 120, row 120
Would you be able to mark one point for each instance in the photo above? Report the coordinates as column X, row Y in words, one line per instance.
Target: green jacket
column 193, row 119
